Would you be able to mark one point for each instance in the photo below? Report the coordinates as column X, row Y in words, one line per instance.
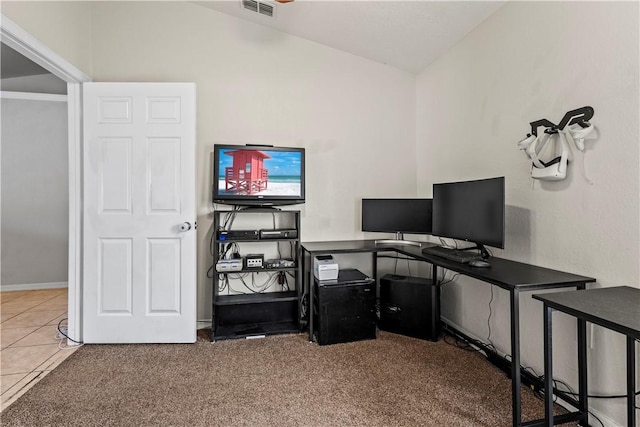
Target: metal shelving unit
column 257, row 313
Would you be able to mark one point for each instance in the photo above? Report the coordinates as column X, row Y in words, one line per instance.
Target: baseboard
column 461, row 329
column 605, row 420
column 33, row 286
column 202, row 324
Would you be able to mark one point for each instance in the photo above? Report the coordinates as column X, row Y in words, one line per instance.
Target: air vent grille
column 265, row 9
column 251, row 5
column 258, row 7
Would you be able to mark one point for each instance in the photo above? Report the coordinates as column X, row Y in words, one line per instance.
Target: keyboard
column 457, row 255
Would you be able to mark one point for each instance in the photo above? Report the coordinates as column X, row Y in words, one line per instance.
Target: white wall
column 42, row 83
column 63, row 26
column 534, row 60
column 355, row 117
column 35, row 194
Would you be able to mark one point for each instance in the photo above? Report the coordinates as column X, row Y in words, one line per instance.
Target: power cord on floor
column 63, row 334
column 456, row 342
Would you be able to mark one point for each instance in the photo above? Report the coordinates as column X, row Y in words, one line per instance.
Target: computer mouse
column 479, row 263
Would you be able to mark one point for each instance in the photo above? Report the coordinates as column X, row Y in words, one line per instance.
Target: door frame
column 24, row 43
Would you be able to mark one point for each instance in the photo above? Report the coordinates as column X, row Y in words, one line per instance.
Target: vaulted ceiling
column 13, row 64
column 407, row 34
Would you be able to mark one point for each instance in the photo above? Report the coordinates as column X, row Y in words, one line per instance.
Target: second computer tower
column 344, row 309
column 409, row 306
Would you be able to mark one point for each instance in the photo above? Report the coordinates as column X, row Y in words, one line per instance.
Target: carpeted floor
column 276, row 381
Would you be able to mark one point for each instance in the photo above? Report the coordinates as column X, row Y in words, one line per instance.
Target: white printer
column 325, row 268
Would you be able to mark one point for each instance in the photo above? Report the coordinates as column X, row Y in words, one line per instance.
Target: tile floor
column 30, row 348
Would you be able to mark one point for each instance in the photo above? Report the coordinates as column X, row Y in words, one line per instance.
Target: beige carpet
column 276, row 381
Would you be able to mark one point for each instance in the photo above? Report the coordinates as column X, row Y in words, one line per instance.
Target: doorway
column 35, row 189
column 25, row 44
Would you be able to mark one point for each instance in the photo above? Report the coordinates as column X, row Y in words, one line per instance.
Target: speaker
column 409, row 306
column 344, row 309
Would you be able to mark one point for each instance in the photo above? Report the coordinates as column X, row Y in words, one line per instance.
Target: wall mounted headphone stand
column 581, row 116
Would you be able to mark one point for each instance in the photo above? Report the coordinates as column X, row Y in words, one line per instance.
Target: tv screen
column 470, row 210
column 258, row 175
column 412, row 216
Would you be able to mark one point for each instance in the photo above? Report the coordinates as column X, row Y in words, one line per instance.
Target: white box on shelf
column 325, row 268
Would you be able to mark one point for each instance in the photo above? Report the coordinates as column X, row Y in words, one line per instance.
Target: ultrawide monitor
column 412, row 216
column 470, row 210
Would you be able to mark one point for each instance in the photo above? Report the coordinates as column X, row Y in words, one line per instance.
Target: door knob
column 185, row 226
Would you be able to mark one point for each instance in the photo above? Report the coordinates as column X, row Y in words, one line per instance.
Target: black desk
column 616, row 308
column 513, row 276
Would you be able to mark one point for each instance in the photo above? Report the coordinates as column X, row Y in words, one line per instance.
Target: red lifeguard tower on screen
column 247, row 175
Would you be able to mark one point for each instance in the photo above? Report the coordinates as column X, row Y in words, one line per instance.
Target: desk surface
column 616, row 308
column 346, row 246
column 504, row 273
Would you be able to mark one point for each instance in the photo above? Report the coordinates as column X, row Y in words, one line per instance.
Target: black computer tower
column 409, row 306
column 344, row 309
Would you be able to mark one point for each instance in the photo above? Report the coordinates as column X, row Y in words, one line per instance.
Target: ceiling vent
column 258, row 7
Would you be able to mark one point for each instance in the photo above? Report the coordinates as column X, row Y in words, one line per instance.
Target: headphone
column 553, row 170
column 579, row 132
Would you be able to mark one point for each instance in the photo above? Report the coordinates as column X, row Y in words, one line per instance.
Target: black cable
column 570, row 391
column 65, row 335
column 555, row 400
column 489, row 318
column 444, row 280
column 466, row 346
column 598, row 396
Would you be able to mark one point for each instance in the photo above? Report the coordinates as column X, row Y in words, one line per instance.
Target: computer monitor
column 399, row 216
column 258, row 175
column 472, row 211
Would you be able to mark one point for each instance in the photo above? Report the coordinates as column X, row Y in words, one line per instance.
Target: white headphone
column 579, row 133
column 553, row 170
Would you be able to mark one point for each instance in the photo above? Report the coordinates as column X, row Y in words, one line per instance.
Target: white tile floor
column 30, row 347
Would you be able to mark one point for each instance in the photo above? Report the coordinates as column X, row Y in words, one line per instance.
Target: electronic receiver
column 283, row 233
column 279, row 263
column 238, row 235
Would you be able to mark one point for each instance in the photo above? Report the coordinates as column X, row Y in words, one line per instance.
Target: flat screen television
column 258, row 175
column 473, row 211
column 399, row 216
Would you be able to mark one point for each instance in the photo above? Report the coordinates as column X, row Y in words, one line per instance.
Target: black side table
column 616, row 308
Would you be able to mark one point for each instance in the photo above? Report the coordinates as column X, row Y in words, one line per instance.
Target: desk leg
column 311, row 297
column 548, row 367
column 374, row 266
column 516, row 399
column 583, row 402
column 631, row 382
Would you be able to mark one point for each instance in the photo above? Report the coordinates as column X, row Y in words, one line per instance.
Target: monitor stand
column 399, row 240
column 484, row 253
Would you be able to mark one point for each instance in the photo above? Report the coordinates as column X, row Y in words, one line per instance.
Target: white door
column 139, row 213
